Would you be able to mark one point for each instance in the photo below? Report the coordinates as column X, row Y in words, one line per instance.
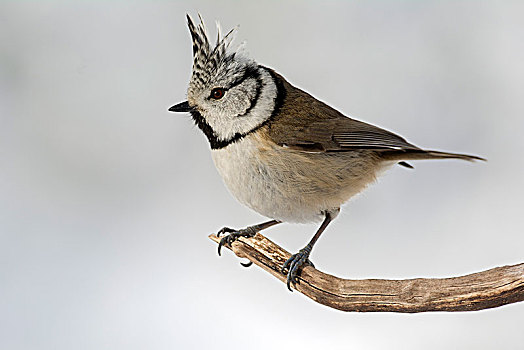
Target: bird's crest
column 206, row 59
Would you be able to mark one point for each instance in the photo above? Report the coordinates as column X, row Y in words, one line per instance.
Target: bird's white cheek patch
column 233, row 119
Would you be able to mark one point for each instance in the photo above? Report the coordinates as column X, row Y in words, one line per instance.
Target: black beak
column 181, row 107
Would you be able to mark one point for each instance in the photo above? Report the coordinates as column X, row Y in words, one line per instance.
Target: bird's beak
column 181, row 107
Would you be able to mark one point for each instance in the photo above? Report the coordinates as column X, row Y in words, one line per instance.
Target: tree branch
column 482, row 290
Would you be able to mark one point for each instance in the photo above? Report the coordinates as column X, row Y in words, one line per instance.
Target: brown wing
column 307, row 124
column 342, row 134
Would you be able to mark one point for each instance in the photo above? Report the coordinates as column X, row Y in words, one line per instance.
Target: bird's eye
column 217, row 93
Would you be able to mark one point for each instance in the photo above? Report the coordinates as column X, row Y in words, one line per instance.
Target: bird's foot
column 295, row 264
column 234, row 235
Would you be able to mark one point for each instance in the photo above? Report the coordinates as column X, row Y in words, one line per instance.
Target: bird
column 280, row 151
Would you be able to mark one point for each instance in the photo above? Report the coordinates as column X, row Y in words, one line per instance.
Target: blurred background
column 106, row 199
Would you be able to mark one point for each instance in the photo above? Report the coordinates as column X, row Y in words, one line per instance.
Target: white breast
column 289, row 185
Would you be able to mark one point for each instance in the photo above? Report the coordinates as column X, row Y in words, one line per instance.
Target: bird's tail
column 426, row 154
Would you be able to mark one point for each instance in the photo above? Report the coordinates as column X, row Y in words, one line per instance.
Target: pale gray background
column 107, row 199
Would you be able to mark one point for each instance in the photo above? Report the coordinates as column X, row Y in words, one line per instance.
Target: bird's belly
column 290, row 185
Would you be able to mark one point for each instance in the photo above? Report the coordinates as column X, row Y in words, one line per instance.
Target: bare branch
column 482, row 290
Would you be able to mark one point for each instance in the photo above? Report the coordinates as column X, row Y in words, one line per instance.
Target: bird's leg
column 245, row 232
column 297, row 261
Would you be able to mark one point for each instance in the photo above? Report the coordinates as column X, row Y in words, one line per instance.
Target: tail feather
column 426, row 154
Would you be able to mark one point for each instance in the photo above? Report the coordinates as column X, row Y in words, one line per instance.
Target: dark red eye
column 217, row 93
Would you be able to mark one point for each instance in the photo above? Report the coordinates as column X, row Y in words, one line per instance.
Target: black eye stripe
column 250, row 72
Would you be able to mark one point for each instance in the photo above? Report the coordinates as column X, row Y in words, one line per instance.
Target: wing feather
column 307, row 124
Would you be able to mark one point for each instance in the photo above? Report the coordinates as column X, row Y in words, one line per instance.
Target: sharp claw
column 294, row 266
column 295, row 279
column 224, row 230
column 283, row 269
column 286, row 265
column 247, row 264
column 228, row 239
column 219, row 248
column 232, row 236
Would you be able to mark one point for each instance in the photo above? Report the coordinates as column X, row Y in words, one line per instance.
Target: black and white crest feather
column 207, row 59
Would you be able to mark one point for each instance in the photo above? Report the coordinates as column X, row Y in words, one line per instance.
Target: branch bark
column 483, row 290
